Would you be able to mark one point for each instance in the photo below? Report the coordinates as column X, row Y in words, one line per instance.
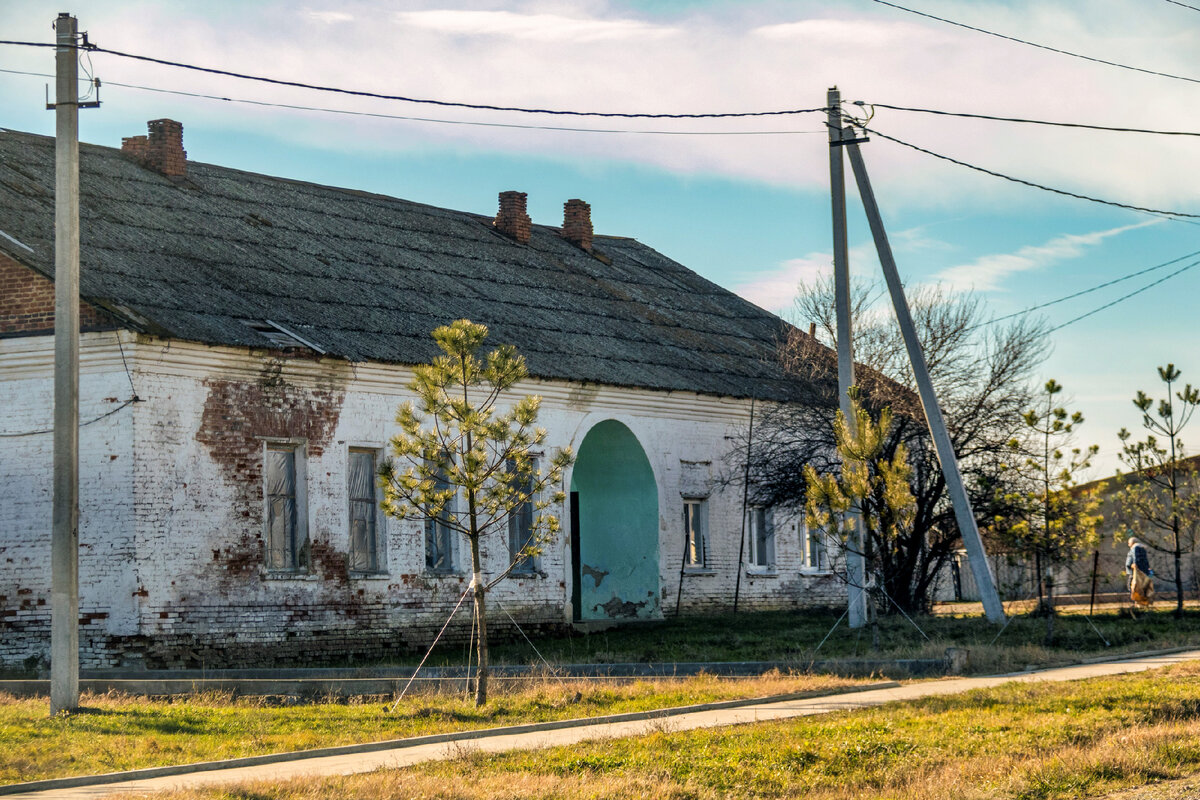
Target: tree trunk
column 481, row 683
column 1049, row 609
column 1037, row 579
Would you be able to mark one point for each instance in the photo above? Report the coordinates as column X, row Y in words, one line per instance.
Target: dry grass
column 1017, row 742
column 116, row 732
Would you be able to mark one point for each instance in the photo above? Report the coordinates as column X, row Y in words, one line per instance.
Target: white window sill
column 699, row 571
column 289, row 576
column 809, row 571
column 761, row 572
column 370, row 576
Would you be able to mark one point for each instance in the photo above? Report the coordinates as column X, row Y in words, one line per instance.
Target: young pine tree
column 1159, row 499
column 1054, row 523
column 467, row 467
column 878, row 486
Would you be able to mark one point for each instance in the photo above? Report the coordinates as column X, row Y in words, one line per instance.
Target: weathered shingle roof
column 366, row 277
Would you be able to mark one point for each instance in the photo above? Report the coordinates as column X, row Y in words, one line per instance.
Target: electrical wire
column 469, row 123
column 1179, row 215
column 105, row 415
column 1082, row 125
column 1035, row 44
column 425, row 101
column 1083, row 292
column 1123, row 298
column 1185, row 5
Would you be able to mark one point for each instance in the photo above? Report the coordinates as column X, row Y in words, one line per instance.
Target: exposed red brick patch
column 27, row 303
column 238, row 416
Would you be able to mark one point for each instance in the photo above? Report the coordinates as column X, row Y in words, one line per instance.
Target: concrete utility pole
column 64, row 556
column 933, row 412
column 855, row 562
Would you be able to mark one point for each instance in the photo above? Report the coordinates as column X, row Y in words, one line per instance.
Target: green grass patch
column 114, row 733
column 796, row 635
column 1017, row 742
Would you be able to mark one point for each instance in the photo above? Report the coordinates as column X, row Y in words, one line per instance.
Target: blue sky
column 750, row 212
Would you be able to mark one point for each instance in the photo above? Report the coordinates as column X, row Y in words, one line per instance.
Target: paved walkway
column 404, row 756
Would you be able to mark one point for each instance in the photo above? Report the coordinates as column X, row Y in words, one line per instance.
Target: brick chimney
column 161, row 151
column 512, row 220
column 577, row 224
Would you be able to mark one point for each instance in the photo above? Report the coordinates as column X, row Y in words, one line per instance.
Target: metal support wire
column 831, row 630
column 413, row 677
column 906, row 616
column 553, row 670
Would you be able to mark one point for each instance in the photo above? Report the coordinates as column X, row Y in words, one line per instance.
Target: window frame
column 379, row 551
column 808, row 537
column 700, row 516
column 432, row 526
column 755, row 561
column 533, row 565
column 301, row 561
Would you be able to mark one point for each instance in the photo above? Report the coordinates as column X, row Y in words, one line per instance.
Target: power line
column 1035, row 44
column 425, row 101
column 1089, row 290
column 1123, row 298
column 1027, row 121
column 82, row 424
column 1185, row 5
column 1158, row 212
column 324, row 110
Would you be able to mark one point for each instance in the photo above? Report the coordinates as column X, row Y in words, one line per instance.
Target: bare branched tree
column 982, row 374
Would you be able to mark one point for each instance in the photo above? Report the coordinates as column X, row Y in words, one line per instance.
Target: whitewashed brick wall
column 171, row 561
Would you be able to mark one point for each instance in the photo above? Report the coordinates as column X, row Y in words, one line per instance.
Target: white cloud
column 536, row 27
column 988, row 272
column 776, row 290
column 606, row 56
column 330, row 17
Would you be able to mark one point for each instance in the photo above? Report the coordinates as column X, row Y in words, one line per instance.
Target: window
column 520, row 524
column 695, row 532
column 439, row 536
column 814, row 544
column 287, row 517
column 365, row 539
column 761, row 529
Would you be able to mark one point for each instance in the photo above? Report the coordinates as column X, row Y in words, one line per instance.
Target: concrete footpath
column 406, row 752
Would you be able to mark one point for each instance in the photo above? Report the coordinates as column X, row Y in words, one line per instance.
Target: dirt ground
column 1182, row 789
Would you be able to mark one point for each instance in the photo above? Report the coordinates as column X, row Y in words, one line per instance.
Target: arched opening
column 614, row 527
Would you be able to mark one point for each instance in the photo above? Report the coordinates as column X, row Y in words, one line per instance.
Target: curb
column 414, row 741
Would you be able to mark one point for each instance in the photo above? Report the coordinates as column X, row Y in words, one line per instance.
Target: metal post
column 1095, row 569
column 855, row 566
column 933, row 412
column 737, row 587
column 64, row 556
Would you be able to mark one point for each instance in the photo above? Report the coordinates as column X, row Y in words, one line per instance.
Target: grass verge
column 114, row 733
column 1016, row 742
column 795, row 636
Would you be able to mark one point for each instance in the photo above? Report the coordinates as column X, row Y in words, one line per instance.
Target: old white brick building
column 245, row 350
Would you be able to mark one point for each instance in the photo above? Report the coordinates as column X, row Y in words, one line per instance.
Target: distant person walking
column 1137, row 565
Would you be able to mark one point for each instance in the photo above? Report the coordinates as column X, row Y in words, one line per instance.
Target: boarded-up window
column 520, row 524
column 287, row 540
column 695, row 531
column 439, row 536
column 760, row 526
column 364, row 513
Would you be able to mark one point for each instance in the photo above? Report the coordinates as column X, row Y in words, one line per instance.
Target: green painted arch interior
column 618, row 526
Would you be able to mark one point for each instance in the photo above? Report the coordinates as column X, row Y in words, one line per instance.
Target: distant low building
column 246, row 342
